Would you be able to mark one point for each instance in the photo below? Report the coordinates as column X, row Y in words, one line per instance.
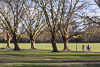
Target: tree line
column 37, row 18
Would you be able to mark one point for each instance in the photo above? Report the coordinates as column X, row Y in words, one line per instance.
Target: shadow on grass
column 92, row 65
column 12, row 57
column 47, row 61
column 46, row 53
column 30, row 66
column 53, row 55
column 71, row 61
column 45, row 65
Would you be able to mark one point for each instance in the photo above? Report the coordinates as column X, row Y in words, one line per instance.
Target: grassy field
column 37, row 58
column 48, row 46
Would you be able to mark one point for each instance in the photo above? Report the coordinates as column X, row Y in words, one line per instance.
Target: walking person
column 83, row 47
column 88, row 47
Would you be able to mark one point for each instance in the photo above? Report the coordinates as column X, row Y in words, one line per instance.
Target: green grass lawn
column 36, row 58
column 48, row 46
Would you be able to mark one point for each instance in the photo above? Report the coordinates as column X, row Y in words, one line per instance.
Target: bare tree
column 7, row 34
column 97, row 2
column 33, row 24
column 94, row 18
column 11, row 13
column 51, row 13
column 70, row 21
column 58, row 15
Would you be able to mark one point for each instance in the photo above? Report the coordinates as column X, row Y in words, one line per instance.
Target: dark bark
column 32, row 44
column 54, row 43
column 65, row 44
column 8, row 41
column 16, row 46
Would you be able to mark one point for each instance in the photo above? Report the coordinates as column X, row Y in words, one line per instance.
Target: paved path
column 59, row 50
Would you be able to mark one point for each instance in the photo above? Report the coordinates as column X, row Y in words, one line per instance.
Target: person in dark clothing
column 83, row 47
column 88, row 47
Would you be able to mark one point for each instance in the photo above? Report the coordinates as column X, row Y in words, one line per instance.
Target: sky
column 94, row 7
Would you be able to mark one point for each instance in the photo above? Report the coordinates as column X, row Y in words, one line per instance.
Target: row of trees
column 66, row 17
column 92, row 35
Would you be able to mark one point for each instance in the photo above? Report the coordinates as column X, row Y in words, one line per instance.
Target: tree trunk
column 16, row 47
column 65, row 44
column 54, row 43
column 32, row 44
column 8, row 41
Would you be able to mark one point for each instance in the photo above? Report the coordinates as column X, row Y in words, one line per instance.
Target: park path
column 59, row 50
